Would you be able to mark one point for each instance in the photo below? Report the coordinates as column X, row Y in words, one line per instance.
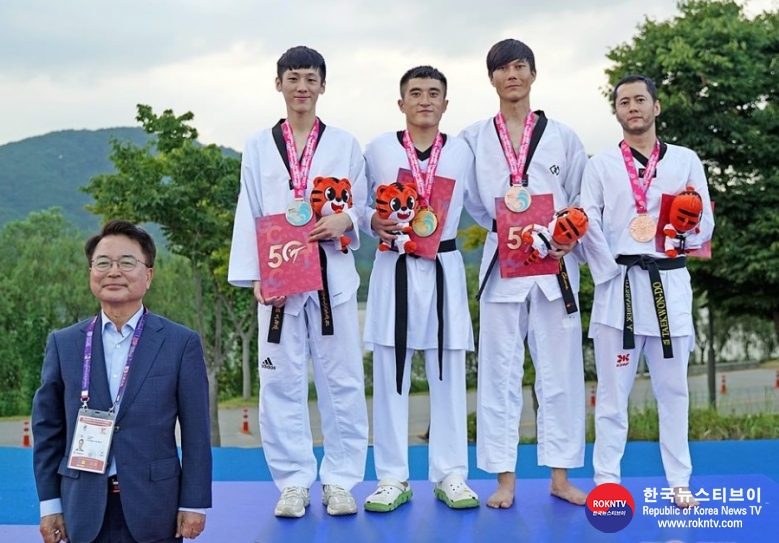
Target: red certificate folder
column 289, row 263
column 512, row 253
column 443, row 187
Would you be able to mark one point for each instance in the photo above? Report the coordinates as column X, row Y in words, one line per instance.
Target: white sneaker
column 389, row 495
column 453, row 491
column 293, row 502
column 338, row 500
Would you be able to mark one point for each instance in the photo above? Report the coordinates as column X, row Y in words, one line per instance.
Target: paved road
column 751, row 390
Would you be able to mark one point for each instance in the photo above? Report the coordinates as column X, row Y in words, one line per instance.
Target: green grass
column 15, row 418
column 704, row 425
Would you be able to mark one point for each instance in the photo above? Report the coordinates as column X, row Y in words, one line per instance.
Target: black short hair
column 507, row 51
column 300, row 57
column 635, row 78
column 118, row 227
column 421, row 72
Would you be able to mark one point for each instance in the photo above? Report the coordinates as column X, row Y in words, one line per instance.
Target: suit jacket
column 167, row 382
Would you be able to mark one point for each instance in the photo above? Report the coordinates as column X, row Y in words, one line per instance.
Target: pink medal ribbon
column 516, row 161
column 642, row 228
column 299, row 170
column 425, row 222
column 299, row 212
column 517, row 197
column 424, row 182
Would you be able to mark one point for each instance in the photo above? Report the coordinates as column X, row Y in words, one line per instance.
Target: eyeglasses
column 126, row 263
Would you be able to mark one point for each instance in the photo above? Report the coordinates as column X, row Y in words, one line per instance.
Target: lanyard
column 424, row 183
column 299, row 170
column 87, row 366
column 516, row 161
column 640, row 189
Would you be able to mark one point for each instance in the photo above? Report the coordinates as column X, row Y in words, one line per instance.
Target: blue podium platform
column 244, row 499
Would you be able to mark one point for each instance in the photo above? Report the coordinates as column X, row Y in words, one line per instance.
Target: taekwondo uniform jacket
column 556, row 168
column 384, row 156
column 607, row 198
column 265, row 190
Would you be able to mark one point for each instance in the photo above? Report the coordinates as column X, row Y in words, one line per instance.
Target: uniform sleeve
column 192, row 397
column 244, row 267
column 697, row 179
column 472, row 199
column 49, row 425
column 577, row 160
column 359, row 194
column 594, row 246
column 372, row 183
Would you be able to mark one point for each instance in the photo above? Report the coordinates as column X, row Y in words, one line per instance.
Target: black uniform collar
column 421, row 155
column 644, row 160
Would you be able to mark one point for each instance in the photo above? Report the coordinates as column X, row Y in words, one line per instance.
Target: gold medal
column 643, row 228
column 425, row 223
column 299, row 212
column 517, row 199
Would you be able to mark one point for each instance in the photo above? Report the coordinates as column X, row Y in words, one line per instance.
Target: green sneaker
column 455, row 493
column 389, row 495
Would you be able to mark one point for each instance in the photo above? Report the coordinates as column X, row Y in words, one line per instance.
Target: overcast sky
column 86, row 63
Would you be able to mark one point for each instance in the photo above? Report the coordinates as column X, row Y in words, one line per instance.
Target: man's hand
column 561, row 249
column 384, row 228
column 331, row 227
column 53, row 528
column 190, row 524
column 275, row 301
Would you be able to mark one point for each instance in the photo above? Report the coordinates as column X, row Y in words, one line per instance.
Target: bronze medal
column 299, row 212
column 643, row 228
column 517, row 199
column 425, row 223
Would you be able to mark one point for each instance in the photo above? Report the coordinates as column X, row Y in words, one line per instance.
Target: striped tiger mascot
column 330, row 196
column 398, row 201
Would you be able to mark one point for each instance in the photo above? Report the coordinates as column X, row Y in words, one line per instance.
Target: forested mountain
column 45, row 171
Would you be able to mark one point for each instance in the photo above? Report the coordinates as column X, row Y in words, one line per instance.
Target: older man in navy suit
column 132, row 375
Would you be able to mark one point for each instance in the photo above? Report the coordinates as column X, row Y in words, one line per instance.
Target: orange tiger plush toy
column 685, row 215
column 331, row 196
column 567, row 225
column 398, row 201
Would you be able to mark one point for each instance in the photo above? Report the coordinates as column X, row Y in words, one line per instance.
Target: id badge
column 92, row 440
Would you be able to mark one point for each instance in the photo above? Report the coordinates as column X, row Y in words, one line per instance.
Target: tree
column 190, row 191
column 44, row 282
column 717, row 74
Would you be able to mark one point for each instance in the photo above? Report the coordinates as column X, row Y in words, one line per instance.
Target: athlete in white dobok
column 643, row 299
column 520, row 154
column 277, row 170
column 417, row 303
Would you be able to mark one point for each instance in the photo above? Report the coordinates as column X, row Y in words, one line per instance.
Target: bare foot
column 562, row 488
column 683, row 498
column 503, row 497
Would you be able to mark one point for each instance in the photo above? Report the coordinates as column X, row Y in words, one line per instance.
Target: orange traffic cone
column 723, row 388
column 592, row 396
column 26, row 434
column 245, row 425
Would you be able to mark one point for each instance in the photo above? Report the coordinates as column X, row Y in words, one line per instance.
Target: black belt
column 325, row 309
column 562, row 279
column 653, row 266
column 113, row 485
column 401, row 311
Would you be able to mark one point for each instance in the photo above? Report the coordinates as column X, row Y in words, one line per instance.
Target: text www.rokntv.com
column 699, row 523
